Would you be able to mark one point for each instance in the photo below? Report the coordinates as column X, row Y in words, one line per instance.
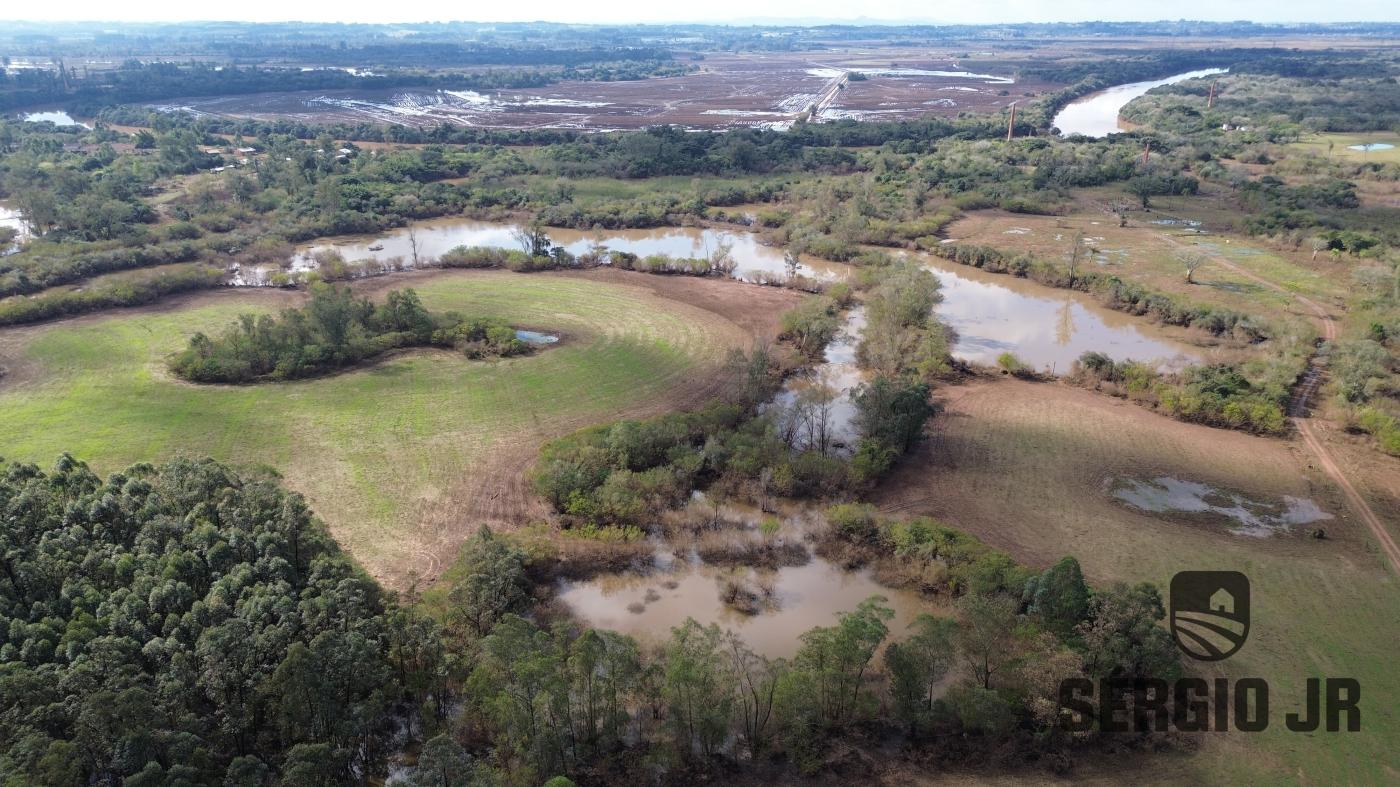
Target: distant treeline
column 85, row 94
column 438, row 54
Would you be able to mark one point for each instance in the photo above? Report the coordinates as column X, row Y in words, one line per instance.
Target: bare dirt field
column 1031, row 468
column 727, row 90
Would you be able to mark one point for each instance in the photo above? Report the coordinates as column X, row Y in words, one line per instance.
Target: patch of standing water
column 648, row 604
column 1096, row 115
column 815, row 408
column 11, row 218
column 1046, row 328
column 1165, row 494
column 438, row 236
column 55, row 116
column 1370, row 146
column 535, row 337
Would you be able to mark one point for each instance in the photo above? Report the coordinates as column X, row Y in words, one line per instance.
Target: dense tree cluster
column 334, row 330
column 182, row 625
column 596, row 706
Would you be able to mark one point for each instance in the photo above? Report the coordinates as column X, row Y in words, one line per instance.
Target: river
column 1096, row 115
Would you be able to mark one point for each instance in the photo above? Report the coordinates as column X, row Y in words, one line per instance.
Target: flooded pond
column 1370, row 146
column 816, row 407
column 1046, row 328
column 55, row 116
column 438, row 236
column 788, row 600
column 1096, row 115
column 1244, row 516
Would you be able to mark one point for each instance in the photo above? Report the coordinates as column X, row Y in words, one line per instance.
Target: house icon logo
column 1210, row 613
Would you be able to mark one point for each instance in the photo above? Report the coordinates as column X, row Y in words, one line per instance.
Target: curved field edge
column 402, row 458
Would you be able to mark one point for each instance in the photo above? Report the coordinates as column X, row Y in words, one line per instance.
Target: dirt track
column 1302, row 420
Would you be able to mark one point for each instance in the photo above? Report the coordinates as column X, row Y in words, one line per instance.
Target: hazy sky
column 961, row 11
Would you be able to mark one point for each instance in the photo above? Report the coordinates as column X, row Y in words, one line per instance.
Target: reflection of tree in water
column 1064, row 322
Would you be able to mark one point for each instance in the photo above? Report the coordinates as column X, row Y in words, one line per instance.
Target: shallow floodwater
column 838, row 371
column 1046, row 328
column 55, row 116
column 1370, row 146
column 1096, row 115
column 1165, row 494
column 535, row 337
column 438, row 236
column 647, row 605
column 11, row 218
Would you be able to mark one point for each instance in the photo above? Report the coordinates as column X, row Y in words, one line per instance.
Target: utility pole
column 1011, row 124
column 1210, row 102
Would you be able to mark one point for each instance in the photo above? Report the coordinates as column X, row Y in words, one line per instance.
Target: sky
column 723, row 11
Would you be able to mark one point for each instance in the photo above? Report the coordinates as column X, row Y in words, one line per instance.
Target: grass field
column 401, row 458
column 1025, row 466
column 1147, row 253
column 1338, row 144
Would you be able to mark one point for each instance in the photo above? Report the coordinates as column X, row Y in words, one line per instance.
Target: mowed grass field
column 402, row 458
column 1027, row 466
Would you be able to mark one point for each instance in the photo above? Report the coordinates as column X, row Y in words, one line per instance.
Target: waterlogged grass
column 378, row 448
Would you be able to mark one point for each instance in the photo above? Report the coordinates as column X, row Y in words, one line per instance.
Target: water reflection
column 438, row 236
column 1044, row 327
column 992, row 313
column 794, row 598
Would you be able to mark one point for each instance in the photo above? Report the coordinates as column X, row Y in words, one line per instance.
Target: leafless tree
column 1192, row 260
column 1319, row 245
column 722, row 259
column 413, row 245
column 791, row 263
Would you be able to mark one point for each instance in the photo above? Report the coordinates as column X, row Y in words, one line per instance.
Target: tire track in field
column 1298, row 410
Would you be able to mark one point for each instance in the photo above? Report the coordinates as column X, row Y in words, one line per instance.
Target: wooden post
column 1210, row 102
column 1011, row 124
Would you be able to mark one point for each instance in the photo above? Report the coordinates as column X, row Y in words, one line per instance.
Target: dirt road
column 1299, row 411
